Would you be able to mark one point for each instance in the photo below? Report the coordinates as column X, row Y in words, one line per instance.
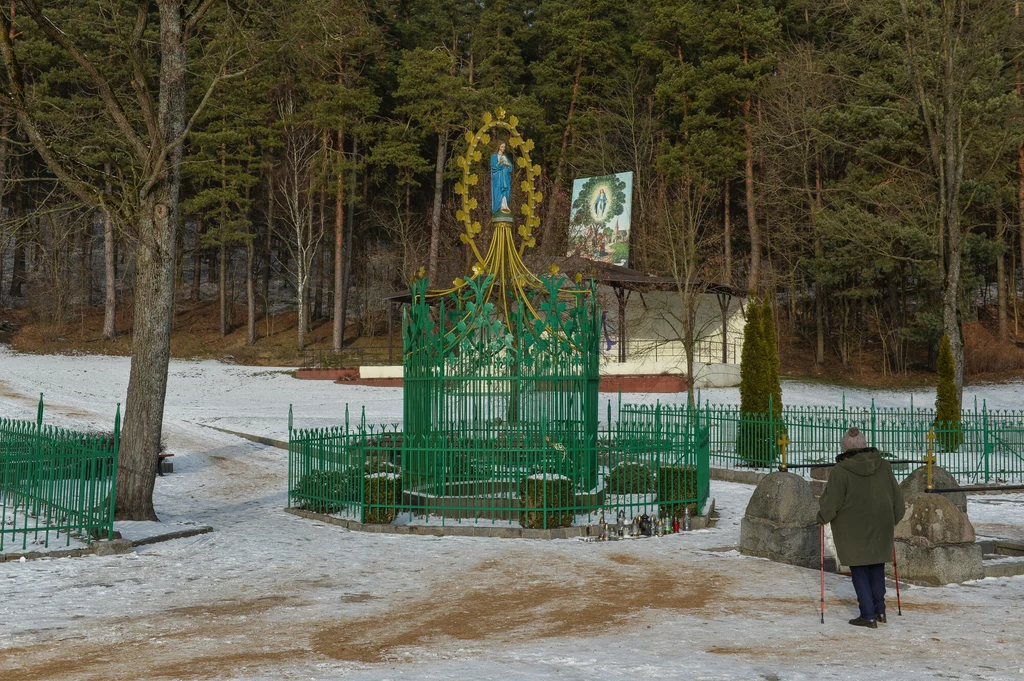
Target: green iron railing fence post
column 874, row 441
column 113, row 485
column 987, row 448
column 39, row 414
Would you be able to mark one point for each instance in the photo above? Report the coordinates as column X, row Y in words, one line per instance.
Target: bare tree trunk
column 348, row 241
column 86, row 255
column 20, row 258
column 267, row 251
column 754, row 277
column 250, row 293
column 223, row 284
column 435, row 217
column 197, row 261
column 154, row 287
column 727, row 235
column 303, row 303
column 109, row 272
column 338, row 336
column 318, row 289
column 1020, row 219
column 819, row 289
column 1004, row 328
column 1013, row 277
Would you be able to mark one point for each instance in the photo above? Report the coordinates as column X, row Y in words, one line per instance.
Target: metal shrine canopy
column 504, row 359
column 509, row 281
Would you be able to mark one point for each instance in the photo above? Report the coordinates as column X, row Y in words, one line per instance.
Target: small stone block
column 112, row 547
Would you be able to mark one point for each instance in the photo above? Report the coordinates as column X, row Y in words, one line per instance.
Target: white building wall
column 654, row 332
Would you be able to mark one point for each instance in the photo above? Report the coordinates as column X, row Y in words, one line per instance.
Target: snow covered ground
column 271, row 596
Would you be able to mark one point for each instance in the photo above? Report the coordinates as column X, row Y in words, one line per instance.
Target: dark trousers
column 869, row 583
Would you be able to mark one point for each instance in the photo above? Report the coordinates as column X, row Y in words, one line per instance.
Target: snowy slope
column 271, row 596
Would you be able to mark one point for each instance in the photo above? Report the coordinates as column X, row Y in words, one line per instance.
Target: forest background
column 862, row 163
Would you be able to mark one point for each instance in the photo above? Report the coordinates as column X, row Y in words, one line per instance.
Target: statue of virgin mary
column 501, row 186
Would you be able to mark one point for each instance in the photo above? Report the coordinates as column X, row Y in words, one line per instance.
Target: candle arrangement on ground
column 640, row 527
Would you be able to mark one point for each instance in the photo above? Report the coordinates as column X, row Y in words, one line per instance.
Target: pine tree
column 947, row 402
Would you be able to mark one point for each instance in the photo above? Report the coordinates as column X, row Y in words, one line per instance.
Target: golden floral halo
column 469, row 178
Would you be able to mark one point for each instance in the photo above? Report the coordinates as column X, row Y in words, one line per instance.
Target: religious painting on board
column 599, row 218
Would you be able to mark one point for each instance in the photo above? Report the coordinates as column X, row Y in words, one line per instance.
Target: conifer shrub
column 948, row 432
column 772, row 351
column 754, row 438
column 629, row 477
column 321, row 491
column 382, row 481
column 775, row 383
column 751, row 371
column 377, row 486
column 546, row 501
column 676, row 484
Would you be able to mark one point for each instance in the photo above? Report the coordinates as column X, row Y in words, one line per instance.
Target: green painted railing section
column 477, row 366
column 984, row 447
column 492, row 473
column 55, row 483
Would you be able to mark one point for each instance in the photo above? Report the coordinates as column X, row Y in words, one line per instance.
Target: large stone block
column 793, row 544
column 916, row 483
column 780, row 521
column 783, row 498
column 938, row 565
column 933, row 520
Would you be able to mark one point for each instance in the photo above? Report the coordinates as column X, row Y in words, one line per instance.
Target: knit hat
column 854, row 439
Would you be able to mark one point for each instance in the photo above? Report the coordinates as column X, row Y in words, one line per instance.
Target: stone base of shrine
column 391, row 377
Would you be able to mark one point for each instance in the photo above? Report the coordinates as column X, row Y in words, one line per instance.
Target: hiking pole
column 896, row 572
column 823, row 575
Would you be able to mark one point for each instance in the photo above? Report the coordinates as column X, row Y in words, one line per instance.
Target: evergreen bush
column 546, row 501
column 675, row 485
column 948, row 432
column 771, row 342
column 321, row 491
column 629, row 478
column 751, row 369
column 772, row 351
column 755, row 442
column 382, row 482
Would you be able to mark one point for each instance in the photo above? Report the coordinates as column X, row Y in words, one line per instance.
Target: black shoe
column 861, row 622
column 880, row 618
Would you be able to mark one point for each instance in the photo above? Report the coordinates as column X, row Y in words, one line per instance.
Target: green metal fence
column 56, row 483
column 499, row 473
column 985, row 446
column 479, row 366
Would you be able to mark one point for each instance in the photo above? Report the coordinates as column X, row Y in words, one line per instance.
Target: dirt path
column 492, row 603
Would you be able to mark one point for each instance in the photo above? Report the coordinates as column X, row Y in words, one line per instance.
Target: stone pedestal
column 917, row 482
column 937, row 565
column 780, row 522
column 935, row 543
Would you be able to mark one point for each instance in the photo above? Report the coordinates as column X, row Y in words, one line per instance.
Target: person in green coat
column 863, row 502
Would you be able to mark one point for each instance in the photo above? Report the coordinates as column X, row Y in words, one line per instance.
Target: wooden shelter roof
column 604, row 273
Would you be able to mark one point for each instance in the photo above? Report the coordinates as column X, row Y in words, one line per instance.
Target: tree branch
column 15, row 99
column 114, row 107
column 140, row 80
column 196, row 16
column 156, row 169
